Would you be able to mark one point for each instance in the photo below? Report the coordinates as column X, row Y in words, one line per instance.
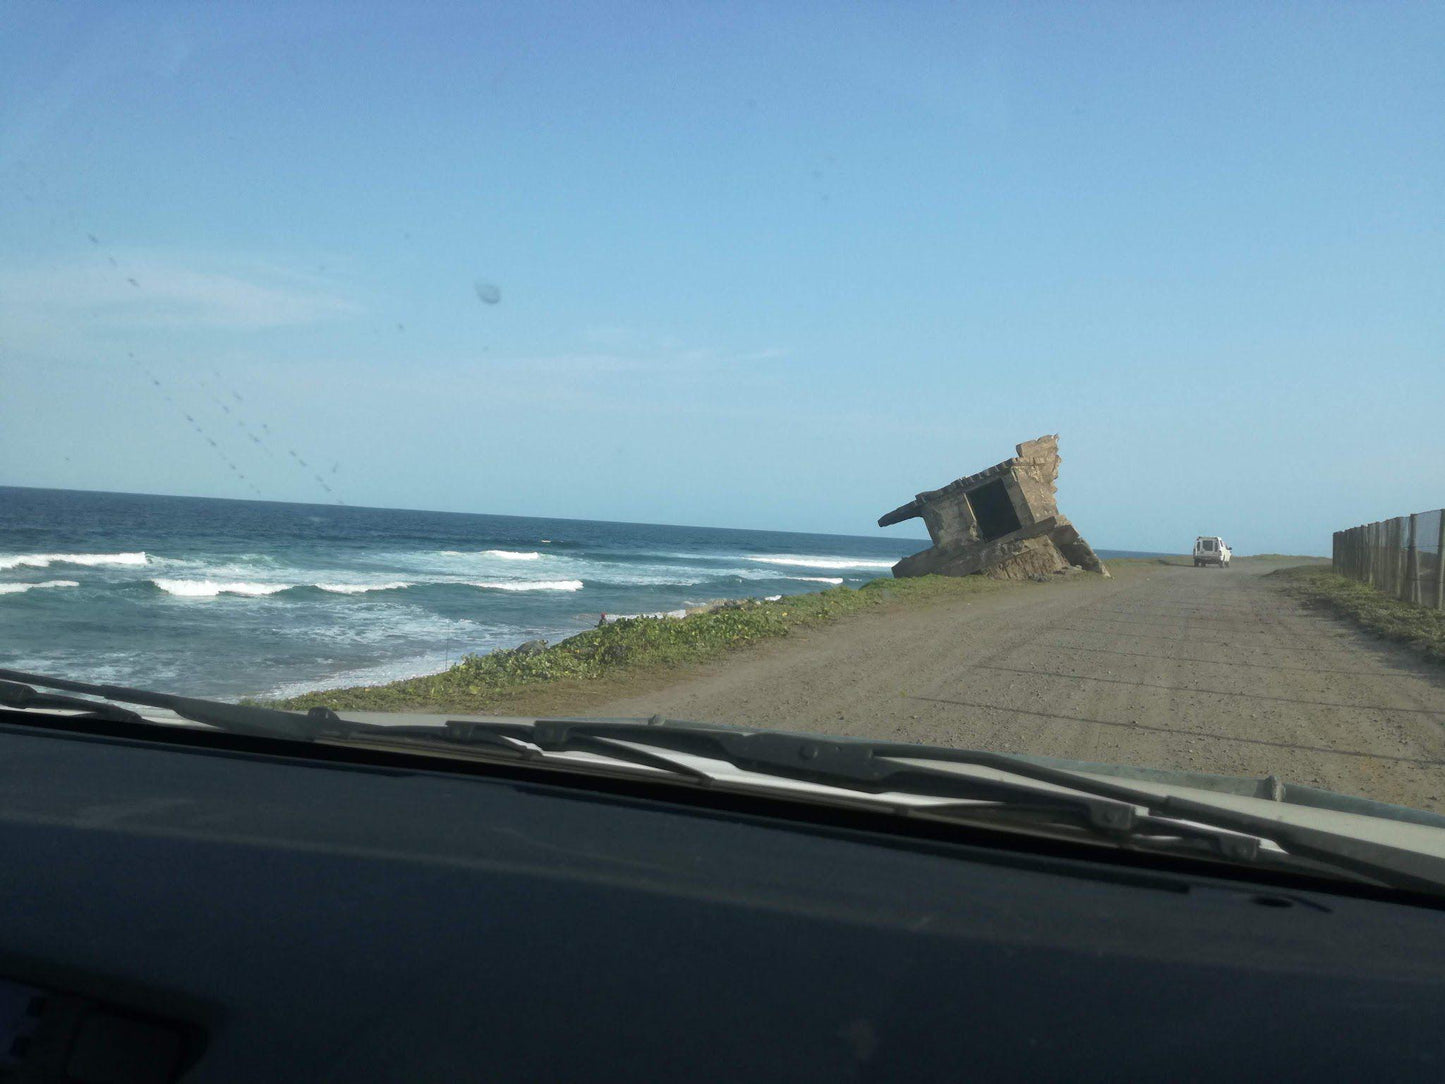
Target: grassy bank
column 502, row 680
column 1389, row 618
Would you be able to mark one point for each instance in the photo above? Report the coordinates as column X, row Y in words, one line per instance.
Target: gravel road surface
column 1162, row 666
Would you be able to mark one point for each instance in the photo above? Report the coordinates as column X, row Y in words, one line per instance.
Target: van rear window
column 1207, row 544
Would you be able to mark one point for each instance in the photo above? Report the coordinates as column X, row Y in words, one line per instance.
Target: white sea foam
column 529, row 585
column 89, row 560
column 817, row 579
column 396, row 628
column 380, row 674
column 422, row 643
column 362, row 588
column 804, row 561
column 499, row 555
column 610, row 618
column 21, row 588
column 772, row 598
column 210, row 588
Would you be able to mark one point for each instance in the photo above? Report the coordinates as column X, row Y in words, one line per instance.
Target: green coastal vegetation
column 482, row 684
column 1389, row 618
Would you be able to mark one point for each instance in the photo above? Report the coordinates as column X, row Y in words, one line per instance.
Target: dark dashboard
column 223, row 912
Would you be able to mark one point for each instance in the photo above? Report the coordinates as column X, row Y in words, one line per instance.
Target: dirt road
column 1164, row 666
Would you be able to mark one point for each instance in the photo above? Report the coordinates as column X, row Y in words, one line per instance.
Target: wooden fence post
column 1410, row 589
column 1440, row 563
column 1392, row 539
column 1384, row 535
column 1402, row 558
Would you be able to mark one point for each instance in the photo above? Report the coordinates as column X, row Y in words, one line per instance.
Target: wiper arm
column 234, row 718
column 670, row 746
column 879, row 767
column 15, row 695
column 867, row 767
column 869, row 763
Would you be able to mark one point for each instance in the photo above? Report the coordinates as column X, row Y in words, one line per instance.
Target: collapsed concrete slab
column 1003, row 522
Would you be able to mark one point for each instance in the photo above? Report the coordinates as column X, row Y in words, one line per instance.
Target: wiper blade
column 692, row 750
column 233, row 718
column 1110, row 809
column 15, row 695
column 1117, row 809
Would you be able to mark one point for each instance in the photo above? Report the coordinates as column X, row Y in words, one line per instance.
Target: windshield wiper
column 1110, row 809
column 15, row 695
column 234, row 718
column 1032, row 790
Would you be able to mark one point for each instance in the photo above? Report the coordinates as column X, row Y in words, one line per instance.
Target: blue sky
column 774, row 266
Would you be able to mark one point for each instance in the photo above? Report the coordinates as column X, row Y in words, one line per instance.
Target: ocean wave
column 613, row 576
column 608, row 619
column 88, row 560
column 379, row 674
column 529, row 585
column 21, row 588
column 361, row 588
column 210, row 588
column 817, row 579
column 386, row 627
column 499, row 555
column 803, row 561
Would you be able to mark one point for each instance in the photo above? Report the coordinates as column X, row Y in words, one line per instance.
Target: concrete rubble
column 1003, row 522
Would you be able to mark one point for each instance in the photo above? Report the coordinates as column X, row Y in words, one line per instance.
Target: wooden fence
column 1403, row 557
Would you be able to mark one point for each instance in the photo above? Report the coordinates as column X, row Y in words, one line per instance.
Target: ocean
column 226, row 598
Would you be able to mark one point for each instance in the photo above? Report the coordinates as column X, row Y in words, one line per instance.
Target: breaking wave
column 21, row 588
column 500, row 555
column 89, row 560
column 801, row 561
column 210, row 588
column 817, row 579
column 610, row 619
column 530, row 585
column 361, row 588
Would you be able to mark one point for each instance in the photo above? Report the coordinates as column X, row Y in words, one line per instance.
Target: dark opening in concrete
column 994, row 510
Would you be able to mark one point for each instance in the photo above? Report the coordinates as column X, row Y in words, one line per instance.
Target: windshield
column 802, row 367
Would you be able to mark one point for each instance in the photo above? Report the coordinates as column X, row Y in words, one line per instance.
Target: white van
column 1211, row 550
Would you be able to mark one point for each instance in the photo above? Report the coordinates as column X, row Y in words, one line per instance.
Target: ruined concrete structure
column 1003, row 522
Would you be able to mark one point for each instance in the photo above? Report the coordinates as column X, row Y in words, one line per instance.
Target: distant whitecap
column 804, row 561
column 529, row 585
column 210, row 588
column 21, row 588
column 362, row 588
column 88, row 560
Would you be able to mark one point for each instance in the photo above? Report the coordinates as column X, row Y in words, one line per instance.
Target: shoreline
column 651, row 650
column 625, row 646
column 646, row 648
